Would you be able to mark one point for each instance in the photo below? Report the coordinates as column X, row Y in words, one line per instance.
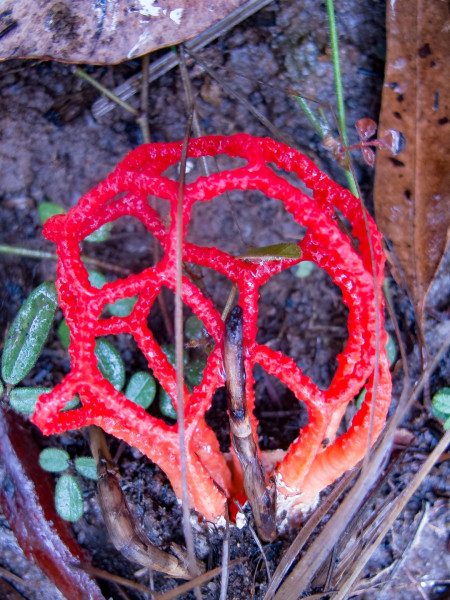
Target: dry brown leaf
column 412, row 191
column 102, row 32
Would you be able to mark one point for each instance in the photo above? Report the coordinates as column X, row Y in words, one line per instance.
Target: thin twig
column 398, row 335
column 169, row 61
column 8, row 575
column 261, row 550
column 238, row 96
column 170, row 595
column 179, row 339
column 142, row 119
column 225, row 557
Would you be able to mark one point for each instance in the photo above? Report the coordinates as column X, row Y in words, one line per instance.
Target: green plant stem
column 337, row 70
column 339, row 88
column 80, row 73
column 41, row 255
column 311, row 116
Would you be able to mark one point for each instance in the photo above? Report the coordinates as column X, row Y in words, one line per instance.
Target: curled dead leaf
column 412, row 193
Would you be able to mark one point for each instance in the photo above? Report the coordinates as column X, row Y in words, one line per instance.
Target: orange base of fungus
column 307, row 467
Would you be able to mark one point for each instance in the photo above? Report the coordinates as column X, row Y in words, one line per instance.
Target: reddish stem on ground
column 307, row 467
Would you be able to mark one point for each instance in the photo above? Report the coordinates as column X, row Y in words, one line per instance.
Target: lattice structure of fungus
column 307, row 467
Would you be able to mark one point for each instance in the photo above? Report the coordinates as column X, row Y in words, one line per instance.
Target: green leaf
column 49, row 209
column 193, row 328
column 71, row 404
column 24, row 399
column 391, row 350
column 305, row 268
column 54, row 460
column 97, row 279
column 86, row 466
column 101, row 234
column 64, row 334
column 122, row 307
column 169, row 351
column 141, row 389
column 166, row 405
column 440, row 404
column 2, row 389
column 68, row 498
column 28, row 333
column 360, row 398
column 273, row 252
column 194, row 371
column 110, row 363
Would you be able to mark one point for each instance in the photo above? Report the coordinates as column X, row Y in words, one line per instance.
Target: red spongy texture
column 307, row 468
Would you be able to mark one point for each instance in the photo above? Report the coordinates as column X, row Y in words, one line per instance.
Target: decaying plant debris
column 44, row 162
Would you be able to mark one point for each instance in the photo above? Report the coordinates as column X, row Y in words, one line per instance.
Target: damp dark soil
column 53, row 149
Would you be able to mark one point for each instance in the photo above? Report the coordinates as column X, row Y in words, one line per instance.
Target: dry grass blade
column 396, row 509
column 5, row 574
column 169, row 61
column 347, row 551
column 305, row 533
column 304, row 571
column 277, row 134
column 175, row 593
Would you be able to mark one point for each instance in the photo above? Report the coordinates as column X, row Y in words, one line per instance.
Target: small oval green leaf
column 71, row 404
column 110, row 363
column 23, row 399
column 86, row 466
column 49, row 209
column 97, row 279
column 166, row 405
column 101, row 234
column 194, row 371
column 391, row 350
column 2, row 389
column 361, row 397
column 64, row 334
column 304, row 268
column 440, row 405
column 54, row 460
column 169, row 351
column 68, row 498
column 122, row 307
column 193, row 328
column 28, row 333
column 141, row 389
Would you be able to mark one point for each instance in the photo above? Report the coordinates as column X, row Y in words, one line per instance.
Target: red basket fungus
column 307, row 467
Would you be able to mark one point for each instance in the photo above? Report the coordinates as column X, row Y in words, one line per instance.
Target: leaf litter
column 167, row 123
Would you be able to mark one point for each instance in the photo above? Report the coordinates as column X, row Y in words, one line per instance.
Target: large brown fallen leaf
column 102, row 32
column 412, row 191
